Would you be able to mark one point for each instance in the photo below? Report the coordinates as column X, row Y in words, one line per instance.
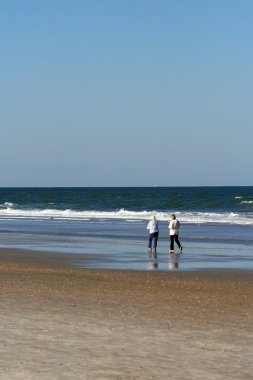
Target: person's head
column 173, row 216
column 153, row 217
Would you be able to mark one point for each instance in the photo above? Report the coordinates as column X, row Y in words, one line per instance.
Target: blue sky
column 126, row 93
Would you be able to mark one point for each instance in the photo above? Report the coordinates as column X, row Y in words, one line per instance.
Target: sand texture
column 64, row 323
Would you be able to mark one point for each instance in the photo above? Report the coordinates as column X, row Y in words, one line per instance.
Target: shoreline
column 207, row 257
column 48, row 258
column 70, row 323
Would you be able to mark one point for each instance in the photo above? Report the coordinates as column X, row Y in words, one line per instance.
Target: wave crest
column 185, row 217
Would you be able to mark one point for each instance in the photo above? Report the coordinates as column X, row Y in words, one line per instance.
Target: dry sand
column 63, row 323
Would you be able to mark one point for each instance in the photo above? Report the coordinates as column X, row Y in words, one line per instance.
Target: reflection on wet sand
column 153, row 260
column 174, row 261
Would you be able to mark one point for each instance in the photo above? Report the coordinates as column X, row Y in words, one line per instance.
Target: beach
column 60, row 322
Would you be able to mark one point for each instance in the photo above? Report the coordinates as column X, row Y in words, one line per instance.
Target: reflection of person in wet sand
column 174, row 260
column 174, row 232
column 153, row 260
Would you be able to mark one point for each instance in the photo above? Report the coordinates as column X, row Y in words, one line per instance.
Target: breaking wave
column 186, row 217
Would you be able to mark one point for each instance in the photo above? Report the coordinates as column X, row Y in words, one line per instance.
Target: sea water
column 106, row 227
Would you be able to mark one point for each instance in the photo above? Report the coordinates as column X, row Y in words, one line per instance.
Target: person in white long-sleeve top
column 153, row 234
column 174, row 232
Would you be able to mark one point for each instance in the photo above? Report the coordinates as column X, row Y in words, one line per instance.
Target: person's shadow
column 174, row 261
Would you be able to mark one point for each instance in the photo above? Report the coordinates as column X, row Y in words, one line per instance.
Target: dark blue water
column 194, row 204
column 215, row 199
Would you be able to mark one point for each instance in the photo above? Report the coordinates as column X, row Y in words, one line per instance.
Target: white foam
column 185, row 217
column 7, row 205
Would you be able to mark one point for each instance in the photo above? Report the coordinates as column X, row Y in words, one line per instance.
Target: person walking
column 153, row 234
column 174, row 232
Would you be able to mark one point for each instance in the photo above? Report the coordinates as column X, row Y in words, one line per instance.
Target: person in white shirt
column 153, row 234
column 174, row 232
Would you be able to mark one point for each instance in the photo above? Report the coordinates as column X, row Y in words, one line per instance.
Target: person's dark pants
column 172, row 239
column 153, row 238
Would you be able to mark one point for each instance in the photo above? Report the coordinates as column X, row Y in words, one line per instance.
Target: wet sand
column 64, row 323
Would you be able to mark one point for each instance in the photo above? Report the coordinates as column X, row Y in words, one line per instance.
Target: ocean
column 108, row 225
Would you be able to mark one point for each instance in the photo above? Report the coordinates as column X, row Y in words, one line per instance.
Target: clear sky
column 126, row 92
